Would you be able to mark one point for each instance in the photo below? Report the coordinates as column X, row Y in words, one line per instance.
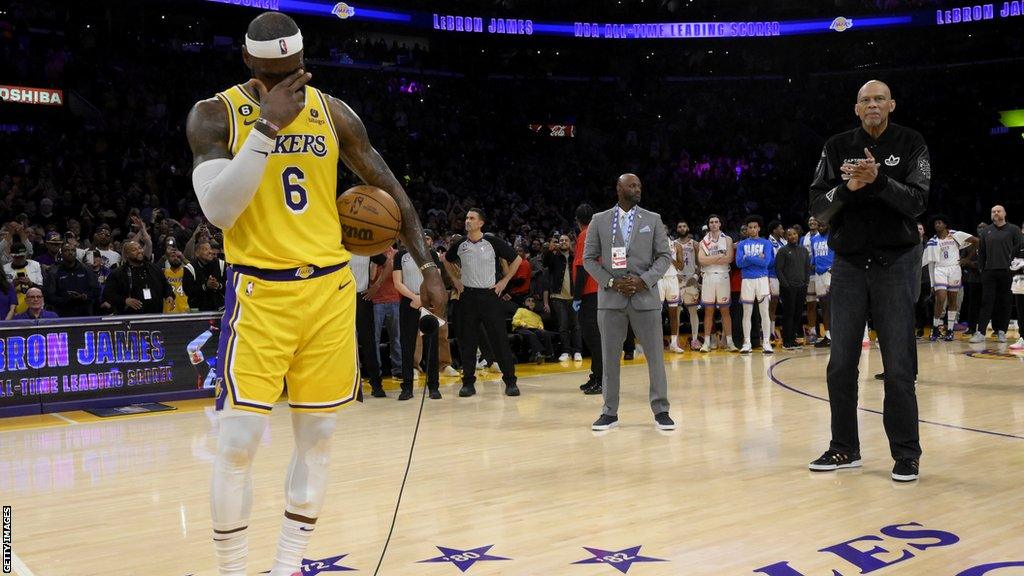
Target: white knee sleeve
column 306, row 483
column 231, row 493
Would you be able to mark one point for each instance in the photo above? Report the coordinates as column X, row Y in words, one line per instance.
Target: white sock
column 766, row 324
column 828, row 334
column 694, row 322
column 675, row 340
column 951, row 319
column 291, row 546
column 231, row 547
column 748, row 314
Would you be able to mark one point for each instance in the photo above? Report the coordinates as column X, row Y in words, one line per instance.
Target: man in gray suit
column 627, row 251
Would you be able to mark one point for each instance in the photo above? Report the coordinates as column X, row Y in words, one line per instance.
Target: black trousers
column 887, row 292
column 971, row 306
column 368, row 361
column 996, row 300
column 568, row 326
column 592, row 336
column 408, row 330
column 539, row 341
column 481, row 308
column 793, row 300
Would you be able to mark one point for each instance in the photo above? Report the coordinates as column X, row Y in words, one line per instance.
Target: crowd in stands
column 109, row 172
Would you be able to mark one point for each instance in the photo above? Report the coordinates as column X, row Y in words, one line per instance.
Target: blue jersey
column 754, row 257
column 821, row 254
column 776, row 246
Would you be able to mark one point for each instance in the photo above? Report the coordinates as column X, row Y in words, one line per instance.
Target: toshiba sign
column 24, row 95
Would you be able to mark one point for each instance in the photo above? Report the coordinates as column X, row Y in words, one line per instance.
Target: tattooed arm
column 359, row 155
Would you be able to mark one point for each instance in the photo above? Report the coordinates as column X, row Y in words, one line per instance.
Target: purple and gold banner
column 61, row 361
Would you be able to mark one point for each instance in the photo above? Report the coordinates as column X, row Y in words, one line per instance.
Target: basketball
column 370, row 220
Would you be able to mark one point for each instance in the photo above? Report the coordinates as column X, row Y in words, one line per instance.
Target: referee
column 479, row 257
column 870, row 186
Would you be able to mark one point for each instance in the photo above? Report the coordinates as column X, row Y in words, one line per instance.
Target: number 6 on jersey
column 294, row 194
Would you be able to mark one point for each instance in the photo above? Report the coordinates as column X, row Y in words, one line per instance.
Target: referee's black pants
column 481, row 308
column 887, row 292
column 408, row 329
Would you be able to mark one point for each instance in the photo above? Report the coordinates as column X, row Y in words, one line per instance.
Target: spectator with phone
column 71, row 287
column 23, row 273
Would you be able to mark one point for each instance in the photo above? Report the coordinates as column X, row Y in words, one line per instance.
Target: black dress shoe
column 405, row 395
column 627, row 356
column 592, row 390
column 435, row 394
column 377, row 391
column 467, row 390
column 511, row 390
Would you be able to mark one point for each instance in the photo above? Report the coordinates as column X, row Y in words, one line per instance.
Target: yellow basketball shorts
column 288, row 329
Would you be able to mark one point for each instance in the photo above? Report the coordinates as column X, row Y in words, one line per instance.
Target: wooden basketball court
column 521, row 486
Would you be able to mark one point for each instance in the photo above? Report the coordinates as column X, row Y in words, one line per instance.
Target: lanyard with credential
column 627, row 233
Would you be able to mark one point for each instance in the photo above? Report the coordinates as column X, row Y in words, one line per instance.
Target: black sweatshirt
column 793, row 266
column 999, row 246
column 878, row 221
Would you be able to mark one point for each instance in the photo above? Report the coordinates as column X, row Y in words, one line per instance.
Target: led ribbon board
column 482, row 25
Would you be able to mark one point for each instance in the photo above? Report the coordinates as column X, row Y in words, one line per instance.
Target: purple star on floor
column 464, row 559
column 314, row 567
column 621, row 560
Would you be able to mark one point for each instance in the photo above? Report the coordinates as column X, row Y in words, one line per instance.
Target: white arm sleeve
column 225, row 187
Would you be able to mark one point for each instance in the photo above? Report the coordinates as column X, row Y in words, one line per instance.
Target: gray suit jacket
column 647, row 256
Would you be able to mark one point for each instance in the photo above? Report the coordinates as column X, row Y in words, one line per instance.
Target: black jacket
column 793, row 266
column 127, row 281
column 556, row 264
column 879, row 220
column 59, row 281
column 194, row 281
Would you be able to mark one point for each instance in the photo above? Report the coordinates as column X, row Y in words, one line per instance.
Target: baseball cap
column 54, row 237
column 19, row 250
column 429, row 232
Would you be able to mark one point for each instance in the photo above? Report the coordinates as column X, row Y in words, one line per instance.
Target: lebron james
column 265, row 171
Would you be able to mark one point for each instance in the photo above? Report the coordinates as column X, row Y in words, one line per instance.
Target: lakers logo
column 220, row 392
column 841, row 24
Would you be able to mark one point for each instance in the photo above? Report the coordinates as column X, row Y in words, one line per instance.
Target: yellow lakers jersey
column 292, row 220
column 175, row 279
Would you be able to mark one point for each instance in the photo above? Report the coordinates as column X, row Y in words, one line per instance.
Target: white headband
column 279, row 48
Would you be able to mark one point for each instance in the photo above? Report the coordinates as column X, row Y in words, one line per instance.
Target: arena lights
column 483, row 25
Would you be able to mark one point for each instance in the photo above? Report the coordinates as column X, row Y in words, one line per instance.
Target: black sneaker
column 663, row 421
column 585, row 385
column 593, row 390
column 467, row 390
column 605, row 422
column 511, row 390
column 833, row 460
column 405, row 395
column 377, row 391
column 905, row 470
column 935, row 335
column 435, row 394
column 627, row 356
column 537, row 358
column 823, row 343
